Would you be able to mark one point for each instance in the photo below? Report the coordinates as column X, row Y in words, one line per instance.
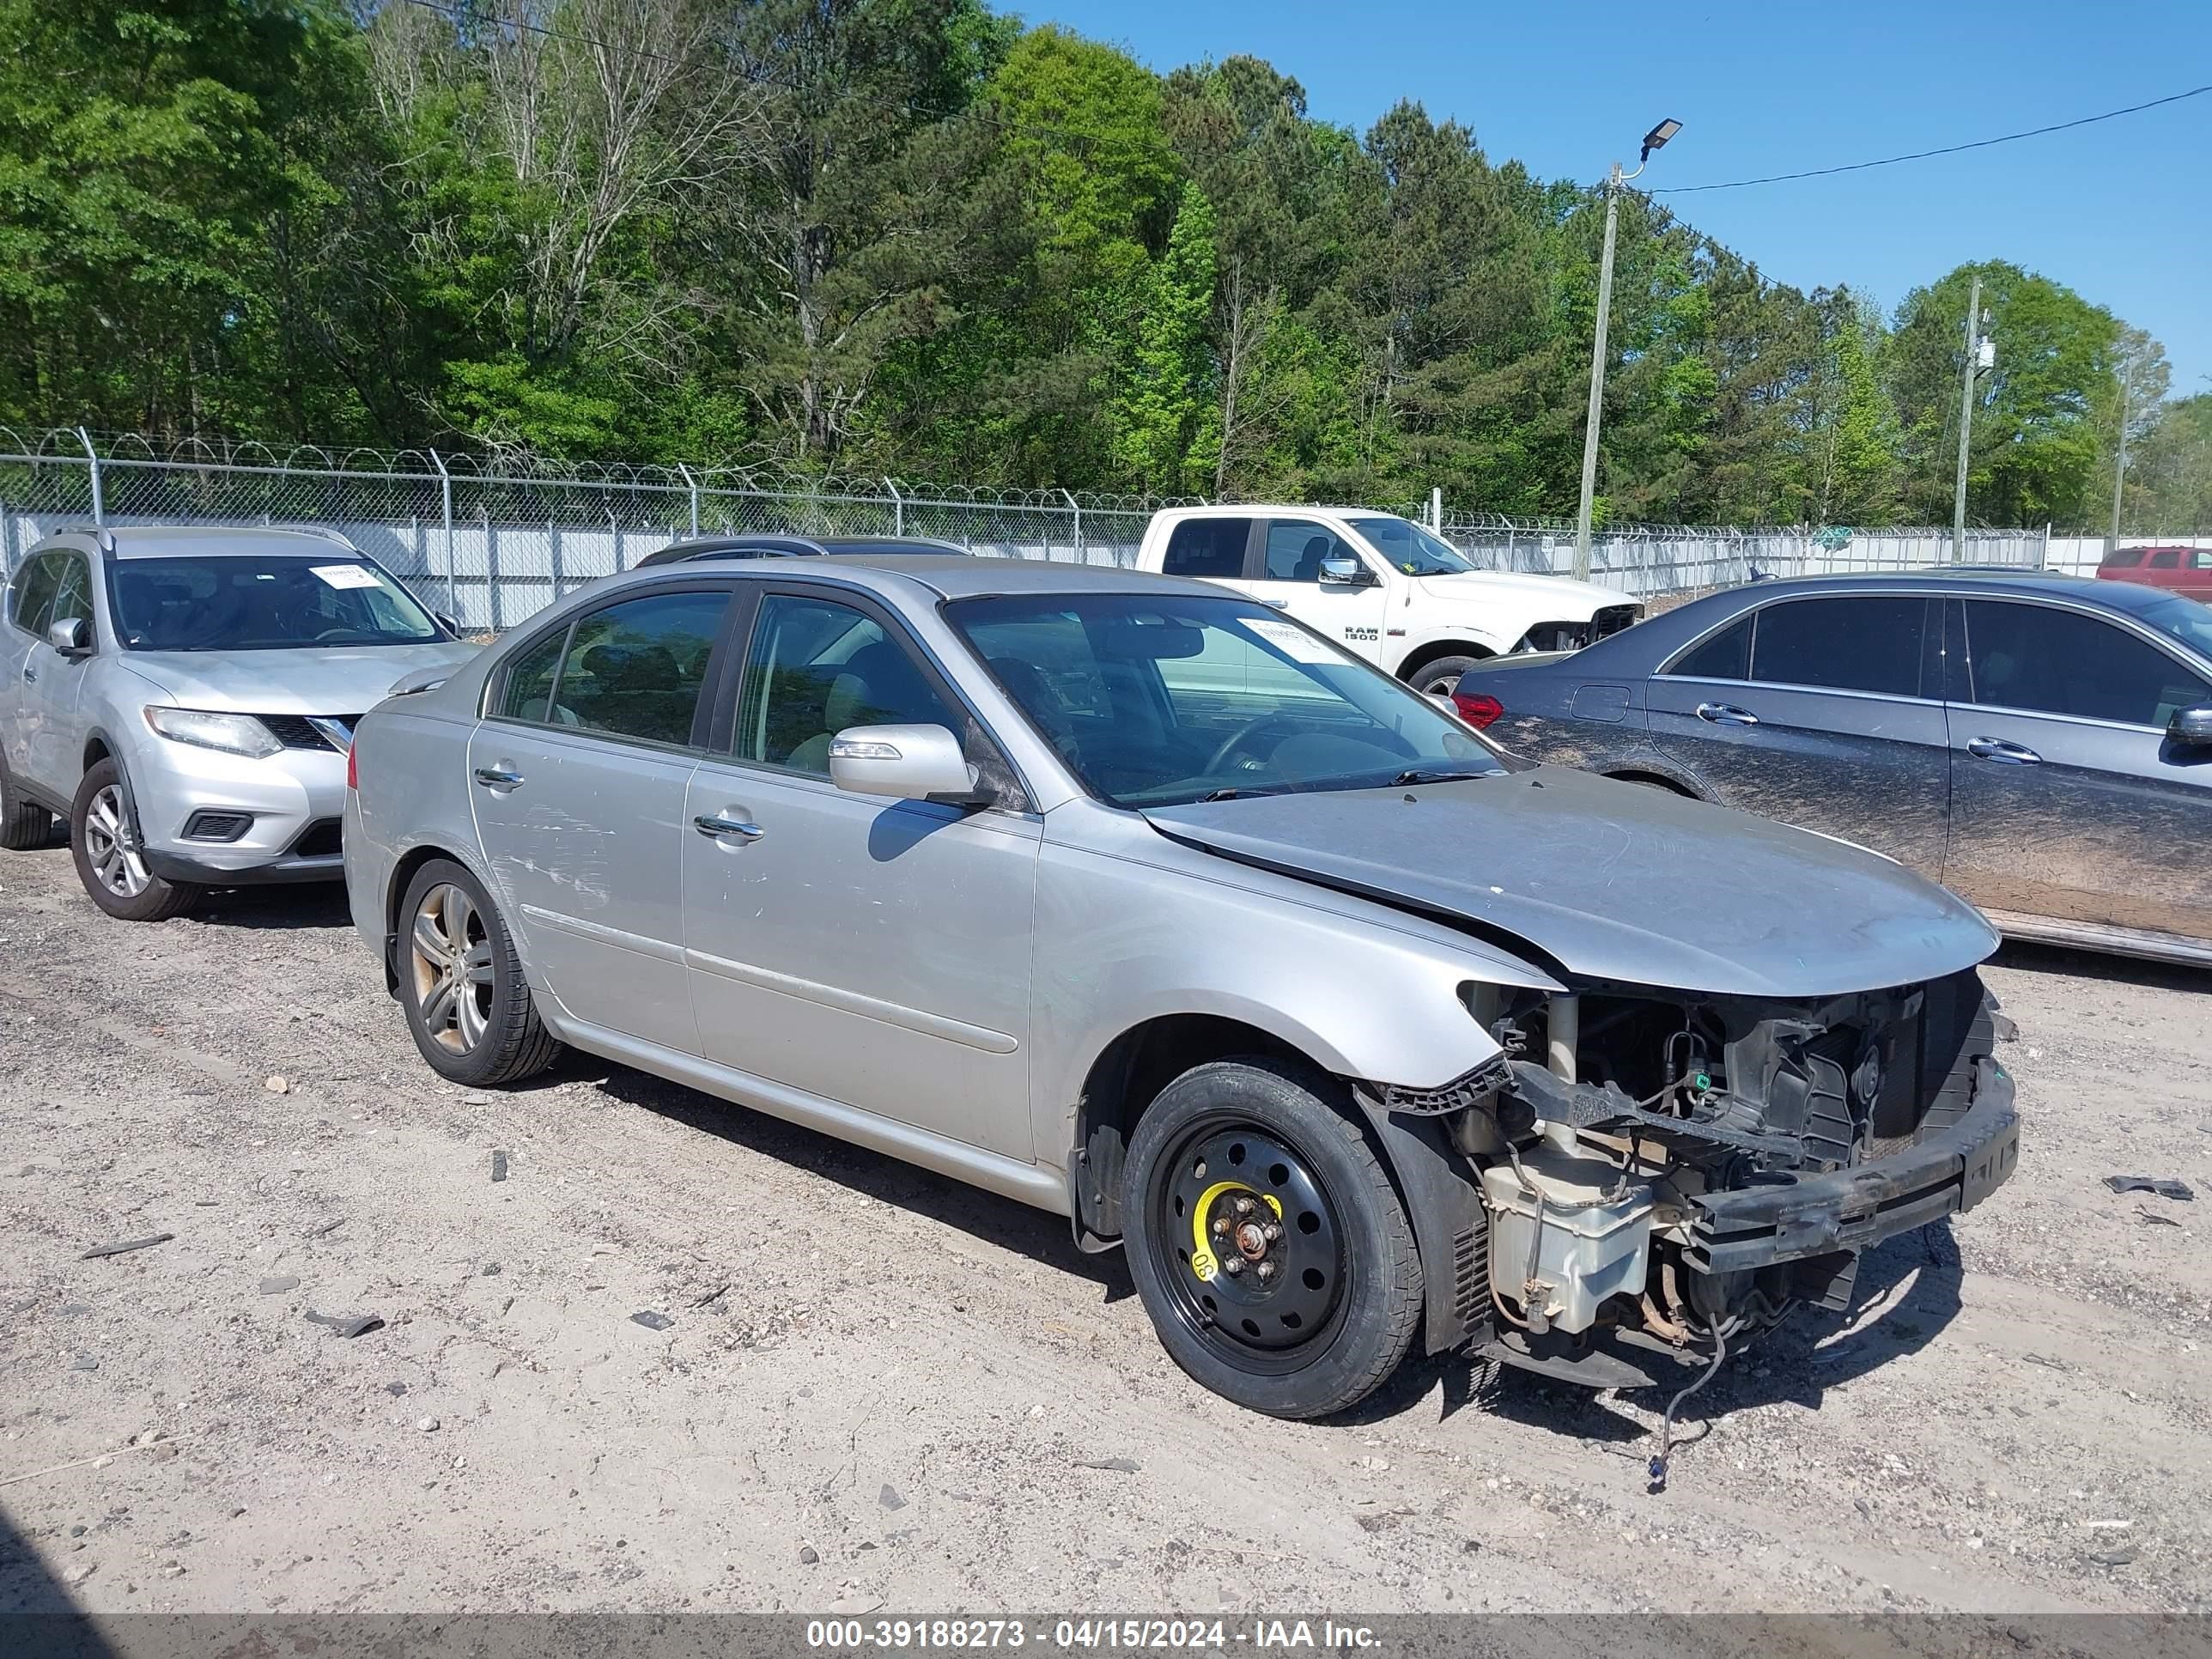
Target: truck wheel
column 110, row 859
column 1267, row 1241
column 1440, row 677
column 467, row 1003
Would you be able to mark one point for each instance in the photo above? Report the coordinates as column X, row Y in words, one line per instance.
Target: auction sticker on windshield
column 1291, row 639
column 345, row 575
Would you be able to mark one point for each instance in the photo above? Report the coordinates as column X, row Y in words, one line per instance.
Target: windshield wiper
column 1439, row 777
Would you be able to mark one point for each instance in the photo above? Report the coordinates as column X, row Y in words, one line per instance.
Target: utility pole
column 2120, row 468
column 1652, row 140
column 1965, row 422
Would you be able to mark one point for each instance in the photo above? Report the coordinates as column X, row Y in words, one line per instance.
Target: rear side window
column 31, row 600
column 632, row 670
column 2124, row 558
column 2039, row 658
column 1849, row 644
column 2167, row 558
column 1726, row 656
column 1208, row 547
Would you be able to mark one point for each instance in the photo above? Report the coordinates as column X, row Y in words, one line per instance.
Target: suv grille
column 298, row 732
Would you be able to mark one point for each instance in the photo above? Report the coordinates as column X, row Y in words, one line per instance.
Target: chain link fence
column 491, row 541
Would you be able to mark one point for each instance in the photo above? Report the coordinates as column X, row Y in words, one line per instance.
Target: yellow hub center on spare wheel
column 1203, row 1260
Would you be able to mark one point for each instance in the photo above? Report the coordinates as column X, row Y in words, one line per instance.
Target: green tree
column 1167, row 431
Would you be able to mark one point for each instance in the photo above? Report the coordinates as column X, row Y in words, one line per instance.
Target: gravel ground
column 880, row 1388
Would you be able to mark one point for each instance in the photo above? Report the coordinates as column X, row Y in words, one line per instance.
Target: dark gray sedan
column 2041, row 745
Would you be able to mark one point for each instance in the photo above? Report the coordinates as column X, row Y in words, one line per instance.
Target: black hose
column 1658, row 1466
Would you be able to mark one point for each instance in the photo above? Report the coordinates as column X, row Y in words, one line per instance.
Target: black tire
column 114, row 875
column 501, row 1039
column 25, row 825
column 1441, row 675
column 1345, row 1297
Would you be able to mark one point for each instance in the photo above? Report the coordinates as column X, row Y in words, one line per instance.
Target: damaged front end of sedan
column 1660, row 1174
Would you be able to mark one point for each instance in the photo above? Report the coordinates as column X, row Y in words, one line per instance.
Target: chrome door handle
column 30, row 675
column 1725, row 713
column 498, row 777
column 713, row 823
column 2005, row 754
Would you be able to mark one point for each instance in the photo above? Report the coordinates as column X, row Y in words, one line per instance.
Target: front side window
column 1412, row 549
column 73, row 597
column 816, row 667
column 1296, row 548
column 1155, row 701
column 260, row 602
column 1847, row 644
column 31, row 600
column 2039, row 658
column 1208, row 547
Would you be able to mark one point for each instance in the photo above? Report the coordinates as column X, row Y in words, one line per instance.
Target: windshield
column 1155, row 701
column 2180, row 618
column 1410, row 548
column 249, row 602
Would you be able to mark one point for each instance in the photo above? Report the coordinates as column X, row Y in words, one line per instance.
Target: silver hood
column 1611, row 881
column 316, row 680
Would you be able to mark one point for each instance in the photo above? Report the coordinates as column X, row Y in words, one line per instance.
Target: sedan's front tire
column 461, row 983
column 111, row 858
column 1267, row 1241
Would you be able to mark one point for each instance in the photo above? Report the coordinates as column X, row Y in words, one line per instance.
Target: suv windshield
column 1410, row 548
column 252, row 602
column 1154, row 702
column 2179, row 618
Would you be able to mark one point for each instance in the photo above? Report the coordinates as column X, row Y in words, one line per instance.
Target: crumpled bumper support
column 1787, row 1219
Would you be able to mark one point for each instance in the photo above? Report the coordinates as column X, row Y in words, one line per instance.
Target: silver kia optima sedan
column 1137, row 900
column 184, row 698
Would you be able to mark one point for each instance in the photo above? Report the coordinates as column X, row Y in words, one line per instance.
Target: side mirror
column 451, row 624
column 2191, row 726
column 70, row 636
column 1346, row 571
column 906, row 762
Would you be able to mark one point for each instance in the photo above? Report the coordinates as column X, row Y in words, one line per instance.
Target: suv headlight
column 234, row 734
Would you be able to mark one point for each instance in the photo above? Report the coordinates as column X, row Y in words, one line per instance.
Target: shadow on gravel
column 1000, row 1222
column 28, row 1591
column 2089, row 965
column 287, row 907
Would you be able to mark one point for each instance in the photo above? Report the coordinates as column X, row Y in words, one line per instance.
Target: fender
column 1451, row 1228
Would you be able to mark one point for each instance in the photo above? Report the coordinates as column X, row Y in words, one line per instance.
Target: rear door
column 579, row 778
column 2068, row 800
column 1284, row 571
column 1813, row 711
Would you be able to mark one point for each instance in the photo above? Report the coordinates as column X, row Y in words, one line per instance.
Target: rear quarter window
column 1725, row 656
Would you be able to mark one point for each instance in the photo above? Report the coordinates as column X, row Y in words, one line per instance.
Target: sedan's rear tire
column 1265, row 1239
column 111, row 858
column 468, row 1005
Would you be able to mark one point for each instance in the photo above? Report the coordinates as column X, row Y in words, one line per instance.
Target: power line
column 1948, row 149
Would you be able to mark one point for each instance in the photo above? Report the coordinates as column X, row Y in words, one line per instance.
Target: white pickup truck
column 1404, row 599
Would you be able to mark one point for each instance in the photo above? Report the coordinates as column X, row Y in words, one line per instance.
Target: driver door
column 1284, row 570
column 51, row 745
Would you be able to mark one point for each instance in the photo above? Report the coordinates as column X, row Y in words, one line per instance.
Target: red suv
column 2186, row 570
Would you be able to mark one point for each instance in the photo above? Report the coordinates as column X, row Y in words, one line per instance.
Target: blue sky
column 2120, row 211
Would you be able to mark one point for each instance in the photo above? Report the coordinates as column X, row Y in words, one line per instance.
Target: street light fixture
column 1654, row 139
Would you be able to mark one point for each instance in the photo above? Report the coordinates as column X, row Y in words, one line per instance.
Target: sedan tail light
column 353, row 768
column 1477, row 708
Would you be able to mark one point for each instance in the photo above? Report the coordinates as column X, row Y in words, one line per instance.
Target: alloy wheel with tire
column 1267, row 1241
column 24, row 825
column 111, row 857
column 467, row 1003
column 1440, row 677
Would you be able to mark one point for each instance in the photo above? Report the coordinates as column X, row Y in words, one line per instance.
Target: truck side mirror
column 1346, row 571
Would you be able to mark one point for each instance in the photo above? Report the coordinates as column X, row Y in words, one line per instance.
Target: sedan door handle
column 30, row 675
column 2005, row 754
column 1726, row 714
column 713, row 823
column 498, row 777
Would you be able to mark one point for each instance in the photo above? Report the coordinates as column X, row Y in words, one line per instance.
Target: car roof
column 912, row 576
column 1951, row 579
column 1252, row 509
column 200, row 541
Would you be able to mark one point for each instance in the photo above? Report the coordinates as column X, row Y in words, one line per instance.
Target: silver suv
column 1135, row 900
column 184, row 698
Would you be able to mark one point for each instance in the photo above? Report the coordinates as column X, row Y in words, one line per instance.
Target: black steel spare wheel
column 1273, row 1256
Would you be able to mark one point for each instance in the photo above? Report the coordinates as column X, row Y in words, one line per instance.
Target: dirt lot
column 883, row 1387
